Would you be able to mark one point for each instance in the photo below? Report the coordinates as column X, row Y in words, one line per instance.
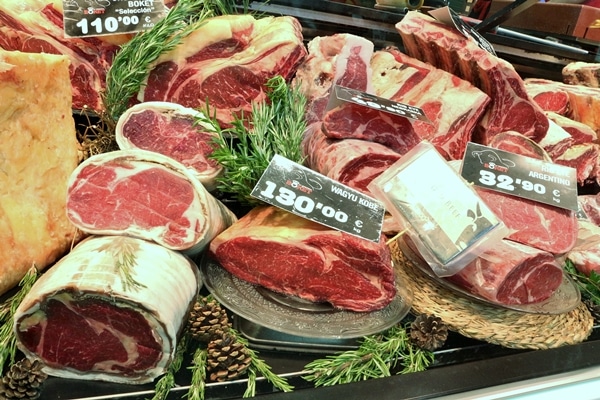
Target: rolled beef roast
column 512, row 273
column 295, row 256
column 147, row 195
column 109, row 310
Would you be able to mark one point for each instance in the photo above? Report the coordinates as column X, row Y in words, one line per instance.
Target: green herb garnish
column 588, row 285
column 198, row 384
column 376, row 357
column 276, row 126
column 133, row 62
column 167, row 381
column 8, row 341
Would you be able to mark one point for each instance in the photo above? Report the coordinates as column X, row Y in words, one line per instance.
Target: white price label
column 107, row 17
column 520, row 176
column 306, row 193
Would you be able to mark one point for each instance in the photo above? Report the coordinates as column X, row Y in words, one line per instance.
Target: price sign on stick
column 306, row 193
column 108, row 17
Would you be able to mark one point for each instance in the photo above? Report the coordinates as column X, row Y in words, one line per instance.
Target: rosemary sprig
column 167, row 381
column 588, row 285
column 8, row 341
column 134, row 60
column 276, row 127
column 123, row 251
column 376, row 357
column 198, row 384
column 260, row 367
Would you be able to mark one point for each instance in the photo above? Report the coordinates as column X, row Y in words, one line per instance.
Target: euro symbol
column 556, row 192
column 358, row 224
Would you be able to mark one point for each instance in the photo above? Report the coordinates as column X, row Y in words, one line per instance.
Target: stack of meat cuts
column 354, row 144
column 575, row 109
column 445, row 47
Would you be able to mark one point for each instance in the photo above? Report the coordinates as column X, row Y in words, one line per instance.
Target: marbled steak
column 38, row 152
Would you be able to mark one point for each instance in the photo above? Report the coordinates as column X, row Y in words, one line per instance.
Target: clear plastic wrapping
column 442, row 213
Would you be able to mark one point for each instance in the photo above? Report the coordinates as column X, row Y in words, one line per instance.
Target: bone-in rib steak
column 227, row 61
column 445, row 47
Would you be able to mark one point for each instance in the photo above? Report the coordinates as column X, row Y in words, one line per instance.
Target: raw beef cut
column 582, row 73
column 584, row 102
column 35, row 26
column 547, row 95
column 533, row 223
column 517, row 143
column 340, row 59
column 580, row 132
column 585, row 158
column 404, row 79
column 38, row 152
column 109, row 310
column 227, row 63
column 557, row 140
column 353, row 121
column 585, row 255
column 536, row 224
column 146, row 195
column 445, row 47
column 590, row 205
column 352, row 162
column 295, row 256
column 172, row 130
column 511, row 273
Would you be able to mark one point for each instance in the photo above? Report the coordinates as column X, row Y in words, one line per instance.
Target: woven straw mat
column 504, row 327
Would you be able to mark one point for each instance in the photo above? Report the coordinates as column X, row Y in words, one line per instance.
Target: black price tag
column 304, row 192
column 378, row 103
column 451, row 17
column 521, row 176
column 108, row 17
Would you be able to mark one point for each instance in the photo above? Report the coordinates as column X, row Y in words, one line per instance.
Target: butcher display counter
column 464, row 367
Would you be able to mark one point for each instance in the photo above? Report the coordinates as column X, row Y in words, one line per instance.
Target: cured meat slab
column 146, row 195
column 226, row 62
column 174, row 131
column 110, row 310
column 38, row 153
column 295, row 256
column 445, row 47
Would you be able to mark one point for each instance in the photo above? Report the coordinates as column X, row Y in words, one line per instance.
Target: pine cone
column 208, row 320
column 428, row 332
column 227, row 358
column 594, row 309
column 23, row 380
